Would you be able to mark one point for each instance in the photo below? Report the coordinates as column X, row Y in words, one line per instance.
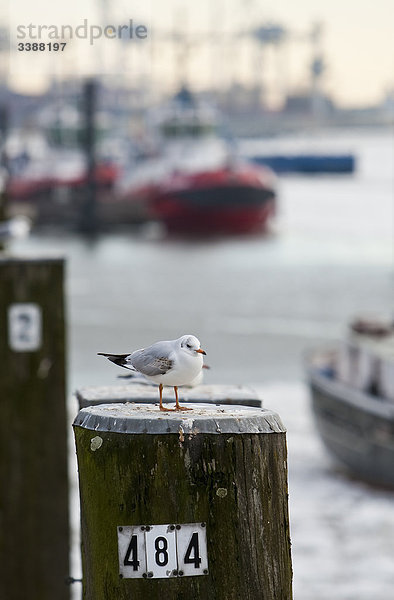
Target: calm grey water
column 257, row 304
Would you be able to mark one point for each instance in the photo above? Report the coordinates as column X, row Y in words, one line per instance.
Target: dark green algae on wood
column 234, row 482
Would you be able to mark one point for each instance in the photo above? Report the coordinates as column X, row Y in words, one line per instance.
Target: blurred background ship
column 94, row 153
column 183, row 175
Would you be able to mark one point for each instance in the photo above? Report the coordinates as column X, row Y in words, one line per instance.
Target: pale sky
column 357, row 43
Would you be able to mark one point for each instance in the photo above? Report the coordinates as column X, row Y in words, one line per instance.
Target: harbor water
column 258, row 304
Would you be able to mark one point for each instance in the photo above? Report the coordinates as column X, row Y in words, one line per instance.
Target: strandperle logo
column 84, row 31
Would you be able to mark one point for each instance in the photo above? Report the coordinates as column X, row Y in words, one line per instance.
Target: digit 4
column 131, row 556
column 192, row 555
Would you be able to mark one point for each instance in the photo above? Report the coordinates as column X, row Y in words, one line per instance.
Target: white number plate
column 24, row 327
column 153, row 551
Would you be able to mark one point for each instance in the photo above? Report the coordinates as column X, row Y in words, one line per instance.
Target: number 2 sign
column 24, row 327
column 153, row 551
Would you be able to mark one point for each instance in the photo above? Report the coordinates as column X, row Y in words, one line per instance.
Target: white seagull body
column 174, row 363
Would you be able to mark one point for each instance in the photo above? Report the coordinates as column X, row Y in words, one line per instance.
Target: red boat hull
column 191, row 211
column 218, row 202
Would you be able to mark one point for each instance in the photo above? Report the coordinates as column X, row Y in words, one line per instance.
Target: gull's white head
column 190, row 344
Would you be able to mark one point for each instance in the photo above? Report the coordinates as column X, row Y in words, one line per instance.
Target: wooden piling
column 34, row 529
column 88, row 216
column 215, row 475
column 148, row 394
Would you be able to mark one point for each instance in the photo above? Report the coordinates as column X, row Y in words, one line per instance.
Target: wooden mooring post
column 147, row 394
column 183, row 505
column 34, row 527
column 88, row 216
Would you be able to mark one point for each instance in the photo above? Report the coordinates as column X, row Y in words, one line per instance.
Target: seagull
column 174, row 363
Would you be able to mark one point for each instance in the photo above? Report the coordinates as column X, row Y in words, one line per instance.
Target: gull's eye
column 189, row 346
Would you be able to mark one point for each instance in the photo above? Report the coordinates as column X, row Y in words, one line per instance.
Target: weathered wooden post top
column 183, row 505
column 147, row 394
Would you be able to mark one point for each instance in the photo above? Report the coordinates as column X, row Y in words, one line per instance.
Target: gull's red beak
column 201, row 351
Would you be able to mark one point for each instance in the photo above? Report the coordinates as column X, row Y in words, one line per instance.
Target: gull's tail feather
column 118, row 359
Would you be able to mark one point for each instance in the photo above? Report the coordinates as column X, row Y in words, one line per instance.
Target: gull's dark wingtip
column 118, row 359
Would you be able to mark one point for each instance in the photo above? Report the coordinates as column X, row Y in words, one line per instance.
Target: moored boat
column 179, row 171
column 51, row 188
column 238, row 198
column 196, row 183
column 308, row 163
column 352, row 393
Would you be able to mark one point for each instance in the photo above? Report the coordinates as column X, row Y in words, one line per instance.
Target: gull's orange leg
column 177, row 405
column 161, row 396
column 161, row 400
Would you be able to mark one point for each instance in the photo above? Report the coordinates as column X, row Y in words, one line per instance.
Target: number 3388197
column 41, row 46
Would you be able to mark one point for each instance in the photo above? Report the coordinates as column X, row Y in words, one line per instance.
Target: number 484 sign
column 162, row 550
